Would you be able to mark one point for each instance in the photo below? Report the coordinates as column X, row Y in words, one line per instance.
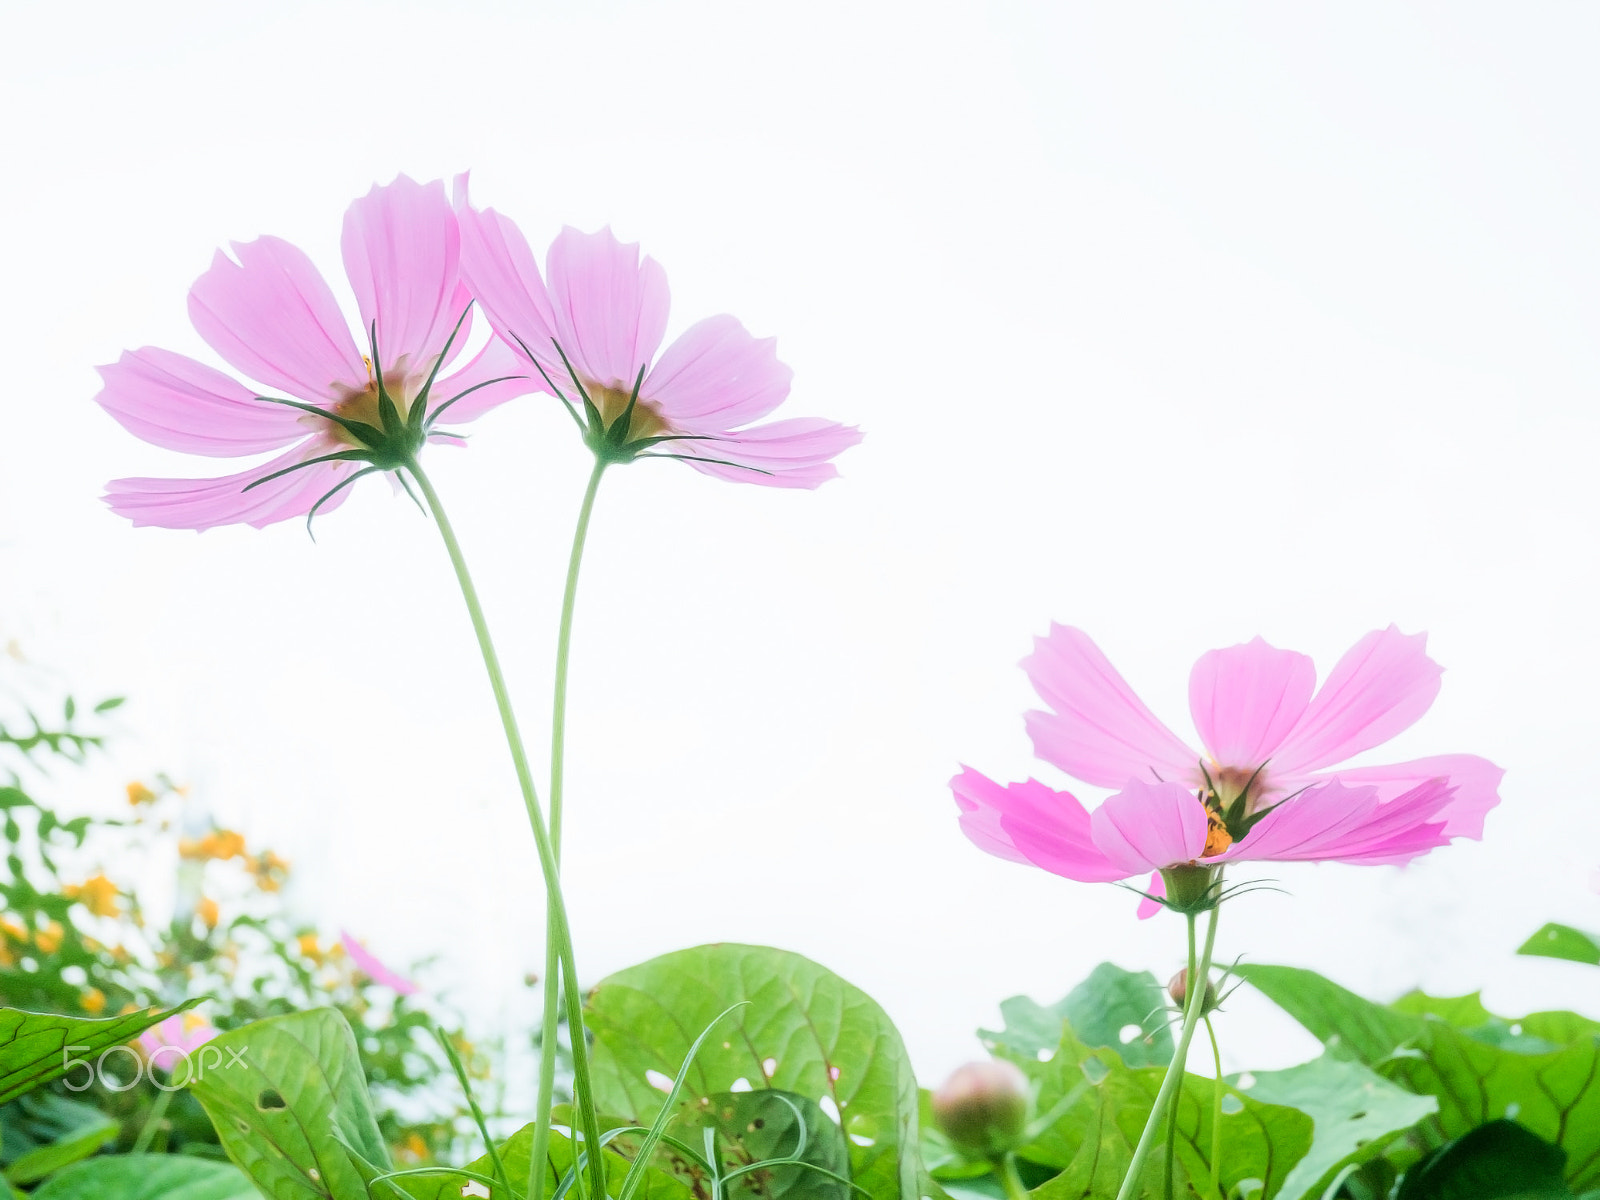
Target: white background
column 1177, row 324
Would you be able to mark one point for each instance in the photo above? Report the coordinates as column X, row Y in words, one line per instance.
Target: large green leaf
column 1477, row 1074
column 760, row 1126
column 148, row 1177
column 61, row 1131
column 1563, row 941
column 1356, row 1111
column 804, row 1030
column 1497, row 1161
column 38, row 1047
column 1125, row 1010
column 288, row 1097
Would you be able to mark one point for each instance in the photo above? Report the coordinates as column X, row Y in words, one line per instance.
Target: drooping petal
column 1147, row 826
column 1032, row 823
column 369, row 965
column 272, row 317
column 1474, row 784
column 1157, row 886
column 179, row 404
column 1335, row 823
column 1246, row 699
column 717, row 377
column 610, row 306
column 1100, row 732
column 500, row 268
column 795, row 453
column 1382, row 685
column 205, row 503
column 402, row 252
column 497, row 373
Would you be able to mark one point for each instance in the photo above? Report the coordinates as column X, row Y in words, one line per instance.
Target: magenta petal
column 402, row 252
column 1382, row 685
column 1246, row 699
column 503, row 274
column 610, row 306
column 1148, row 907
column 179, row 404
column 1033, row 823
column 1147, row 826
column 368, row 964
column 205, row 503
column 273, row 318
column 795, row 453
column 716, row 377
column 1100, row 732
column 497, row 373
column 1333, row 822
column 1474, row 784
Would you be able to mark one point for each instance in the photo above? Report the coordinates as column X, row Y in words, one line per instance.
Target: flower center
column 1228, row 784
column 361, row 404
column 645, row 422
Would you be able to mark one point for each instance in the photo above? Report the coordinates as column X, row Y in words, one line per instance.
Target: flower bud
column 983, row 1108
column 1178, row 989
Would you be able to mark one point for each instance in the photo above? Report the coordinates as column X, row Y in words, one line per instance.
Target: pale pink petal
column 205, row 503
column 497, row 373
column 179, row 404
column 273, row 318
column 1100, row 732
column 716, row 377
column 794, row 453
column 1148, row 826
column 1246, row 699
column 1474, row 785
column 402, row 252
column 503, row 274
column 1033, row 823
column 1382, row 685
column 1148, row 907
column 610, row 306
column 369, row 965
column 1336, row 823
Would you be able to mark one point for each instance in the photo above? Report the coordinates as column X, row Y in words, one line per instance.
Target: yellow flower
column 48, row 939
column 97, row 894
column 139, row 794
column 206, row 910
column 218, row 844
column 309, row 947
column 13, row 930
column 93, row 1001
column 414, row 1146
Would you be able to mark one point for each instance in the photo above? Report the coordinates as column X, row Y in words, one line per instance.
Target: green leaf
column 77, row 1131
column 1102, row 1107
column 804, row 1031
column 1125, row 1010
column 36, row 1048
column 1475, row 1075
column 1357, row 1113
column 148, row 1177
column 1563, row 941
column 1497, row 1161
column 107, row 705
column 770, row 1124
column 289, row 1101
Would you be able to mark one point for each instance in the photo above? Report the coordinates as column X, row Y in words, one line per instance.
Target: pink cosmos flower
column 1262, row 789
column 175, row 1038
column 272, row 317
column 368, row 964
column 592, row 335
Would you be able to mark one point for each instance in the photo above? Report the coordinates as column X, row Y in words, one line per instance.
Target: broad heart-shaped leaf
column 289, row 1101
column 1476, row 1076
column 61, row 1131
column 1497, row 1161
column 803, row 1030
column 1563, row 941
column 148, row 1177
column 38, row 1047
column 1357, row 1114
column 1101, row 1009
column 1102, row 1106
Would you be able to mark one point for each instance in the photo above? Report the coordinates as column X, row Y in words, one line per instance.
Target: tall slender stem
column 1216, row 1110
column 558, row 754
column 1169, row 1085
column 1015, row 1189
column 1172, row 1115
column 556, row 906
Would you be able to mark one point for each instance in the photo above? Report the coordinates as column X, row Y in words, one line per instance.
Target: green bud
column 983, row 1108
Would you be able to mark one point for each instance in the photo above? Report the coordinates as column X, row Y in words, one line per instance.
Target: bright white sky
column 1177, row 323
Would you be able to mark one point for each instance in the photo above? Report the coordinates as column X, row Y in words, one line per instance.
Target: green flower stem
column 152, row 1123
column 1007, row 1167
column 1172, row 1116
column 556, row 905
column 558, row 753
column 1216, row 1110
column 1169, row 1085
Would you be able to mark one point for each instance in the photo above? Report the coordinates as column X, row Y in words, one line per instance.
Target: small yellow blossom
column 307, row 942
column 206, row 910
column 13, row 930
column 98, row 894
column 414, row 1147
column 48, row 939
column 139, row 794
column 93, row 1001
column 218, row 844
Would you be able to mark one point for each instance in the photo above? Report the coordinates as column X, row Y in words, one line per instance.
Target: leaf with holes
column 36, row 1048
column 289, row 1101
column 1477, row 1074
column 1563, row 941
column 1357, row 1114
column 1099, row 1106
column 148, row 1177
column 804, row 1030
column 1125, row 1010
